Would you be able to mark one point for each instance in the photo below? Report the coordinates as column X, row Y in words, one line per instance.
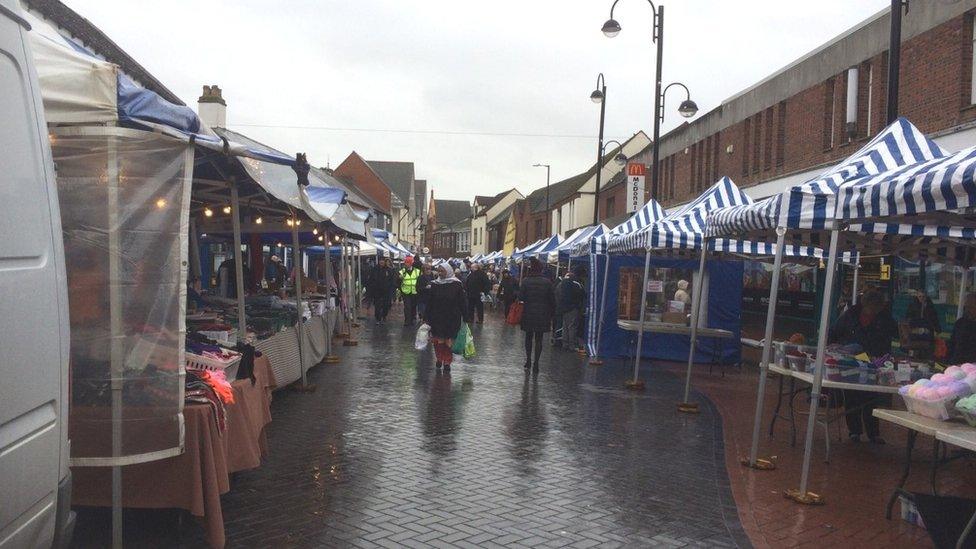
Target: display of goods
column 936, row 397
column 967, row 407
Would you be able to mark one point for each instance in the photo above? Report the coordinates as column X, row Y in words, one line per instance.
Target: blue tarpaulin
column 724, row 311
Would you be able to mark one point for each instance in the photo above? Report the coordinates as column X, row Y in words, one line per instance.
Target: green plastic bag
column 469, row 346
column 461, row 339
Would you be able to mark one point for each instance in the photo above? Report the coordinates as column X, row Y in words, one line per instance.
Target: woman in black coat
column 446, row 306
column 538, row 308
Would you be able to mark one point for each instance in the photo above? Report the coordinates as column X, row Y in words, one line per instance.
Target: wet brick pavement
column 390, row 453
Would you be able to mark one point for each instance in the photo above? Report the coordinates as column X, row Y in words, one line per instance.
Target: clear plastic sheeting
column 124, row 198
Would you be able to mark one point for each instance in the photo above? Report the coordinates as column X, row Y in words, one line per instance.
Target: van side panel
column 31, row 298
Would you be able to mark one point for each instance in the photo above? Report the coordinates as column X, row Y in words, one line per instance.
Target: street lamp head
column 611, row 28
column 688, row 108
column 620, row 159
column 596, row 96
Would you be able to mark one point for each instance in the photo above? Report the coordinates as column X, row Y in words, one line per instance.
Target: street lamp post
column 599, row 95
column 688, row 107
column 546, row 166
column 894, row 58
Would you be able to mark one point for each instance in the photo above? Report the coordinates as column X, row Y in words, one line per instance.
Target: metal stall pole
column 300, row 327
column 116, row 348
column 235, row 213
column 596, row 360
column 332, row 316
column 857, row 268
column 344, row 332
column 802, row 495
column 348, row 291
column 754, row 461
column 696, row 305
column 636, row 383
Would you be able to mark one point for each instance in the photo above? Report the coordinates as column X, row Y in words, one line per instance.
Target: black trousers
column 859, row 405
column 533, row 345
column 476, row 308
column 409, row 308
column 381, row 306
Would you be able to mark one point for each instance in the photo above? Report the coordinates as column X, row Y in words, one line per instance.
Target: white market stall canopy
column 648, row 214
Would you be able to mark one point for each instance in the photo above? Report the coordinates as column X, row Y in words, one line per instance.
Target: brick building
column 448, row 229
column 823, row 107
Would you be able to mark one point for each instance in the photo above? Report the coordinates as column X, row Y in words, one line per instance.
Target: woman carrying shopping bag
column 446, row 306
column 539, row 306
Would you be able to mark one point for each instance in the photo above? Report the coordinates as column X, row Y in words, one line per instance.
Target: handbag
column 423, row 335
column 515, row 314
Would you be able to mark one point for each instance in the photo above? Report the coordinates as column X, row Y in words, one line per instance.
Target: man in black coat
column 572, row 301
column 507, row 290
column 380, row 286
column 477, row 284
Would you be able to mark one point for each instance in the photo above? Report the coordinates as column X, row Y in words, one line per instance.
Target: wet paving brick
column 389, row 452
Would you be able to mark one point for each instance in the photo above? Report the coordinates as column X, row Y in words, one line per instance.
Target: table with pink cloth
column 195, row 479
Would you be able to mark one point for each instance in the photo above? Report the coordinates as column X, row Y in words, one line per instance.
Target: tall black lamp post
column 688, row 107
column 599, row 95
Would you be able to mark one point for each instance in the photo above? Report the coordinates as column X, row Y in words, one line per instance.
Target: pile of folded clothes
column 212, row 388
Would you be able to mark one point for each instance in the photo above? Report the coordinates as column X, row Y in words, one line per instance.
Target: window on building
column 694, row 167
column 671, row 176
column 851, row 103
column 756, row 141
column 870, row 99
column 708, row 164
column 611, row 208
column 972, row 63
column 781, row 133
column 539, row 228
column 768, row 143
column 828, row 114
column 746, row 136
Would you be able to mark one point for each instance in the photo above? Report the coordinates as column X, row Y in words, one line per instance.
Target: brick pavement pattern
column 390, row 453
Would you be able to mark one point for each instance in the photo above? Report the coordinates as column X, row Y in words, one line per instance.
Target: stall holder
column 807, row 379
column 877, row 183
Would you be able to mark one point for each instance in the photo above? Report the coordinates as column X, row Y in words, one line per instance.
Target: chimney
column 212, row 108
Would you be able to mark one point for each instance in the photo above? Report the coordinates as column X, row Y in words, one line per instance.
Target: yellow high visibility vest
column 409, row 284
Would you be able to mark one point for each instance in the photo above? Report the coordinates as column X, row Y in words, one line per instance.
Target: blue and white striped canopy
column 934, row 185
column 811, row 205
column 650, row 213
column 684, row 228
column 583, row 235
column 519, row 253
column 545, row 246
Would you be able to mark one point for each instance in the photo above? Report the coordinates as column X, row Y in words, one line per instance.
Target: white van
column 35, row 483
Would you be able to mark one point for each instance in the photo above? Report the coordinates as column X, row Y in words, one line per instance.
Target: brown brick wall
column 809, row 130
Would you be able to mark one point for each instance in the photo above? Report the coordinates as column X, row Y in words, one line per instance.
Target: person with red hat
column 408, row 290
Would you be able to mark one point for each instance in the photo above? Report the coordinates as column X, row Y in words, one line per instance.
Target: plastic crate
column 229, row 366
column 943, row 409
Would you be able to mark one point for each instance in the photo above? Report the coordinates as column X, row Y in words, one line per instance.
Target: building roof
column 450, row 212
column 94, row 39
column 502, row 216
column 486, row 202
column 398, row 176
column 420, row 198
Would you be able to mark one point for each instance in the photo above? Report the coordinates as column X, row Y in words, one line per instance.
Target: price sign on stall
column 655, row 286
column 635, row 186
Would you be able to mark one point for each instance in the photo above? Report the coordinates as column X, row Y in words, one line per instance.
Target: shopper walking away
column 379, row 287
column 423, row 289
column 408, row 290
column 572, row 299
column 477, row 285
column 538, row 309
column 869, row 324
column 446, row 306
column 507, row 290
column 962, row 345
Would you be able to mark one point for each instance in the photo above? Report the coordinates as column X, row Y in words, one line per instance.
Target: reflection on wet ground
column 391, row 452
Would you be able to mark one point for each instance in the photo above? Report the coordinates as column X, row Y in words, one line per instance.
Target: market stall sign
column 635, row 186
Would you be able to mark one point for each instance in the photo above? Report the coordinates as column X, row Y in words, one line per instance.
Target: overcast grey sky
column 504, row 66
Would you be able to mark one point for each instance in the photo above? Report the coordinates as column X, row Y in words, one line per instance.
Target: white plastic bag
column 423, row 335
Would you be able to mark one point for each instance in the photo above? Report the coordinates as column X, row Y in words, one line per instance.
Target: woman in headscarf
column 446, row 306
column 538, row 308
